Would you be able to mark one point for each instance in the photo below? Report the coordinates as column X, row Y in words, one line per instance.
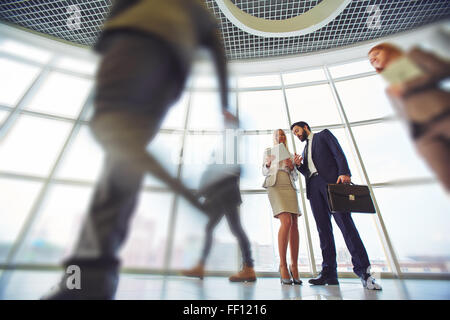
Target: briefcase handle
column 354, row 184
column 348, row 183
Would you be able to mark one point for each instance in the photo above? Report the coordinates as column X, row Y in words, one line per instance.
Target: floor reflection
column 33, row 284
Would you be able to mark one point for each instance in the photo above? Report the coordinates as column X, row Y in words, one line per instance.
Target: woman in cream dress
column 280, row 183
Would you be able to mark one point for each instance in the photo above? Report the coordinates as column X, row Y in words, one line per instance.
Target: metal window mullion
column 6, row 108
column 374, row 121
column 406, row 182
column 176, row 199
column 305, row 84
column 33, row 213
column 355, row 76
column 381, row 228
column 49, row 116
column 255, row 89
column 22, row 60
column 209, row 132
column 26, row 97
column 88, row 183
column 312, row 260
column 49, row 64
column 72, row 73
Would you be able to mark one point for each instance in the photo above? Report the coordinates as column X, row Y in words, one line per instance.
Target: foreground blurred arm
column 220, row 62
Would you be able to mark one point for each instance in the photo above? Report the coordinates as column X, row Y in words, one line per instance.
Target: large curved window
column 50, row 162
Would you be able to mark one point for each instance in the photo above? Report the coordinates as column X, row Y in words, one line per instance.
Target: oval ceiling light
column 308, row 22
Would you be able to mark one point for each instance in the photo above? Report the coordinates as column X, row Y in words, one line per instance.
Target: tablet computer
column 280, row 152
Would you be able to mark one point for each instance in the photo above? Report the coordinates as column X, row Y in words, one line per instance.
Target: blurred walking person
column 420, row 100
column 219, row 186
column 147, row 50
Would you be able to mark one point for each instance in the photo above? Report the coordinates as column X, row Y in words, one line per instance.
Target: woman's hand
column 289, row 163
column 396, row 90
column 269, row 160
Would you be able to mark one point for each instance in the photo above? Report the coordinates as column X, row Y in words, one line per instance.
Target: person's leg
column 209, row 229
column 124, row 123
column 322, row 216
column 283, row 239
column 112, row 204
column 102, row 233
column 234, row 222
column 198, row 270
column 353, row 241
column 294, row 245
column 124, row 137
column 360, row 260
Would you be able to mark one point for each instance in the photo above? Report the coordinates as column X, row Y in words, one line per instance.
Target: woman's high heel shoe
column 296, row 281
column 284, row 281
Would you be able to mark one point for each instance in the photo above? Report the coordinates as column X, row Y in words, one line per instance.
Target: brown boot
column 198, row 271
column 246, row 274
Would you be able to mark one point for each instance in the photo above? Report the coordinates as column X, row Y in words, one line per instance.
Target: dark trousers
column 322, row 215
column 136, row 83
column 234, row 222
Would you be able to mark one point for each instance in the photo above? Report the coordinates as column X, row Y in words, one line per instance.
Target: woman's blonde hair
column 275, row 139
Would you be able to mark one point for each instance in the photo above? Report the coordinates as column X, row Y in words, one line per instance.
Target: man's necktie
column 305, row 161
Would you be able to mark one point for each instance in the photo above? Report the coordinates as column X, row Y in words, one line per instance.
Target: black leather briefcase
column 350, row 198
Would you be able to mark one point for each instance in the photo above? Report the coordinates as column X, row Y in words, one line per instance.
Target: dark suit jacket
column 328, row 157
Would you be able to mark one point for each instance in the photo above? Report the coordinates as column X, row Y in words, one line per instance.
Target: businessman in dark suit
column 324, row 162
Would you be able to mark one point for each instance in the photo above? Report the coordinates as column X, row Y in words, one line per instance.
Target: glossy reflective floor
column 32, row 284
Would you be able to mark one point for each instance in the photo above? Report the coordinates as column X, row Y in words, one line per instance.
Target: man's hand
column 231, row 121
column 344, row 179
column 298, row 159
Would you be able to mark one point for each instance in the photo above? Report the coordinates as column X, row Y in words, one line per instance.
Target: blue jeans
column 234, row 222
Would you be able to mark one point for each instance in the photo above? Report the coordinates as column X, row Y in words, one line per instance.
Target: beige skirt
column 282, row 196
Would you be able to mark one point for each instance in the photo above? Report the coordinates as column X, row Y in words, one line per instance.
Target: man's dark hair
column 301, row 124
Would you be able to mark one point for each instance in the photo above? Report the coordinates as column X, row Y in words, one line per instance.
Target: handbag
column 350, row 198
